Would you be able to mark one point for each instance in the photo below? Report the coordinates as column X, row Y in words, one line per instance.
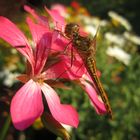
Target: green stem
column 5, row 128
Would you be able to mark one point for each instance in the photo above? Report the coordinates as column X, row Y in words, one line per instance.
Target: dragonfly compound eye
column 71, row 30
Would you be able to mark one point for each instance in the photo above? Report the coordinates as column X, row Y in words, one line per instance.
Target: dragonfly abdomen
column 91, row 68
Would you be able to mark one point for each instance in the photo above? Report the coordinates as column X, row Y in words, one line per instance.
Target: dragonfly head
column 71, row 30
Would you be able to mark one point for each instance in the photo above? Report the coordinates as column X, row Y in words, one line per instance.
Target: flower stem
column 5, row 128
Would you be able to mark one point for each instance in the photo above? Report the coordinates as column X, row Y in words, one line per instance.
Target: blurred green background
column 118, row 59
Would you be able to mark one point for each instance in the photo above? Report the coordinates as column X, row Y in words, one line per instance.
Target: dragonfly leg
column 67, row 47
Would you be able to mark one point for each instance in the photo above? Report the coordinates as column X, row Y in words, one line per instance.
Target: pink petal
column 10, row 33
column 61, row 9
column 42, row 20
column 60, row 43
column 58, row 20
column 37, row 30
column 42, row 38
column 58, row 70
column 26, row 105
column 68, row 67
column 41, row 52
column 99, row 106
column 62, row 69
column 62, row 113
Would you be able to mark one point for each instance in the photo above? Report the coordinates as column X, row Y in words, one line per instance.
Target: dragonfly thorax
column 82, row 43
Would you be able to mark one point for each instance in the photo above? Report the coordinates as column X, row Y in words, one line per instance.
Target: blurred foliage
column 121, row 81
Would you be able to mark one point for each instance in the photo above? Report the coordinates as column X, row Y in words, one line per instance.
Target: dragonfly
column 86, row 48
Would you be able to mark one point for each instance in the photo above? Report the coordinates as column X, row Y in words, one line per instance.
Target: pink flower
column 27, row 105
column 72, row 69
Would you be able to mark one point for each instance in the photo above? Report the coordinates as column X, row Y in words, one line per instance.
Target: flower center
column 39, row 79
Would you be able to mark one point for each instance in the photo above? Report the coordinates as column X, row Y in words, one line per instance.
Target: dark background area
column 130, row 9
column 127, row 8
